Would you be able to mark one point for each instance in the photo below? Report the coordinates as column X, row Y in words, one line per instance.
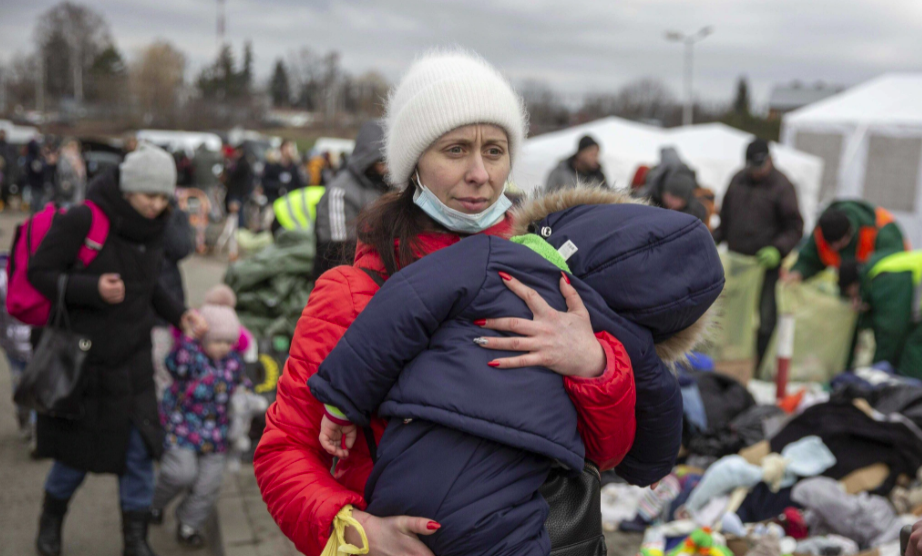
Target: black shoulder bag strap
column 366, row 431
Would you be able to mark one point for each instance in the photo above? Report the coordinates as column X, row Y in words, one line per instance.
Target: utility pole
column 221, row 20
column 40, row 82
column 689, row 42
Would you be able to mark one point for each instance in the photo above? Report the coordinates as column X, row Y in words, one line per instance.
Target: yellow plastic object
column 700, row 543
column 824, row 325
column 337, row 544
column 734, row 336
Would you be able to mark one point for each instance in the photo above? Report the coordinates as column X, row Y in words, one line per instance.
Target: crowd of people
column 462, row 347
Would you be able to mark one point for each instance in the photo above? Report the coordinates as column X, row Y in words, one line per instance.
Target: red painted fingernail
column 564, row 274
column 505, row 276
column 481, row 322
column 493, row 364
column 433, row 526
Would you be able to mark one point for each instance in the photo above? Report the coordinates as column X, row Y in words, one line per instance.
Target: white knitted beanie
column 440, row 92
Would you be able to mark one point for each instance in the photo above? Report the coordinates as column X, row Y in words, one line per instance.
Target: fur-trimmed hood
column 656, row 267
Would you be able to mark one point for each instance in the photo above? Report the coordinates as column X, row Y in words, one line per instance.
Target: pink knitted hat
column 223, row 324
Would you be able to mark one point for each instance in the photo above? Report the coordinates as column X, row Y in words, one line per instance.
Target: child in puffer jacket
column 468, row 445
column 195, row 415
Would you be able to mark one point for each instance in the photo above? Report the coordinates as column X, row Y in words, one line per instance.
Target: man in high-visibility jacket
column 297, row 210
column 889, row 287
column 847, row 230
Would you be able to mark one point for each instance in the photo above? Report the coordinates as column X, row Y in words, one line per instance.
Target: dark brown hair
column 395, row 221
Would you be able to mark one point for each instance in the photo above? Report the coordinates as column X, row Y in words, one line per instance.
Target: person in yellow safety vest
column 889, row 289
column 297, row 210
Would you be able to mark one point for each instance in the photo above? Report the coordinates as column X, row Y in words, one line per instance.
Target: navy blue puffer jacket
column 646, row 275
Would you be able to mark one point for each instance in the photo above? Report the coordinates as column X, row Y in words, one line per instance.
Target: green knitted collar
column 537, row 244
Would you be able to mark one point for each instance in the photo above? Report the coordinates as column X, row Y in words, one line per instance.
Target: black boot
column 48, row 541
column 134, row 530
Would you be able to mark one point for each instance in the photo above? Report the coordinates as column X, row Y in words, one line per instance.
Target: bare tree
column 19, row 80
column 156, row 79
column 546, row 110
column 366, row 94
column 69, row 38
column 646, row 99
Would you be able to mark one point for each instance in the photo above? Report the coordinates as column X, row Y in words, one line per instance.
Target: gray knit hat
column 148, row 169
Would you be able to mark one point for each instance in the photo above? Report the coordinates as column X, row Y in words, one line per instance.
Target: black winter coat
column 120, row 390
column 759, row 214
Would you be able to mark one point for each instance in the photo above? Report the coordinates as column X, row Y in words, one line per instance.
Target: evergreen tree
column 279, row 86
column 741, row 102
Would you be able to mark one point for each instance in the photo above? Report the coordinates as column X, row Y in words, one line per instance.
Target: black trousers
column 768, row 313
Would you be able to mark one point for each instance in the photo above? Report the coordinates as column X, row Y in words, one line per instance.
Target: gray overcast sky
column 576, row 46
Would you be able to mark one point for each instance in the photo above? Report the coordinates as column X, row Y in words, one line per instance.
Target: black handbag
column 54, row 381
column 574, row 522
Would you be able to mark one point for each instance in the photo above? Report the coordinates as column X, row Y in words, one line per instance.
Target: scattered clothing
column 828, row 545
column 805, row 458
column 857, row 440
column 866, row 519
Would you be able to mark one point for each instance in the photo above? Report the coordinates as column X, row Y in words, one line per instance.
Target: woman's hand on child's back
column 332, row 435
column 392, row 536
column 561, row 341
column 111, row 288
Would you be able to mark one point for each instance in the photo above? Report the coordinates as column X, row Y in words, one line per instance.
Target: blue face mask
column 456, row 220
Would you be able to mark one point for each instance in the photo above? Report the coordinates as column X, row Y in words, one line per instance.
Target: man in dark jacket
column 847, row 230
column 888, row 287
column 282, row 175
column 760, row 217
column 354, row 188
column 582, row 168
column 238, row 179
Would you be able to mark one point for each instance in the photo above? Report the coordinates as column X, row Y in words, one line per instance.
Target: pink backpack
column 24, row 302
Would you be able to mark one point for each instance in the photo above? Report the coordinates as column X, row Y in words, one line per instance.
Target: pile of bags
column 273, row 285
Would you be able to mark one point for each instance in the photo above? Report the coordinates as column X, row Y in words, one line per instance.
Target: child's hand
column 331, row 437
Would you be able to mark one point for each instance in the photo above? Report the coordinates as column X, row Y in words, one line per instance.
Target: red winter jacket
column 293, row 470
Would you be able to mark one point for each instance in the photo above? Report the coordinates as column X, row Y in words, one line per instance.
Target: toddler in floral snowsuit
column 194, row 413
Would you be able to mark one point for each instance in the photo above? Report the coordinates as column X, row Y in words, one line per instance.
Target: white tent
column 18, row 134
column 870, row 137
column 715, row 151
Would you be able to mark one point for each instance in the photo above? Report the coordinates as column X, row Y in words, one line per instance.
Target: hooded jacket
column 423, row 363
column 120, row 389
column 293, row 470
column 345, row 197
column 565, row 176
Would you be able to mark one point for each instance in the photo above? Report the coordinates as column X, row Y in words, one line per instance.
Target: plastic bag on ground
column 824, row 326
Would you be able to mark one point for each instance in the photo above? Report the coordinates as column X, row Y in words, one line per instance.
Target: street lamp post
column 689, row 42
